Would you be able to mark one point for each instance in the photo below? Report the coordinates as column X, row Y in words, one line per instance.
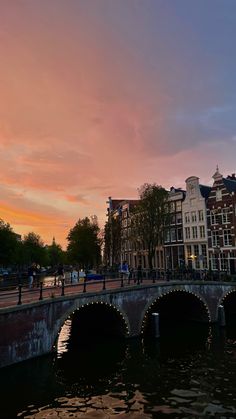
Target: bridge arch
column 228, row 300
column 116, row 315
column 199, row 310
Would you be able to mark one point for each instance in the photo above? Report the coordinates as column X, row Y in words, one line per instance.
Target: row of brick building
column 201, row 233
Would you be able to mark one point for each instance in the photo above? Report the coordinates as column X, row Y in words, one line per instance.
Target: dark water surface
column 189, row 373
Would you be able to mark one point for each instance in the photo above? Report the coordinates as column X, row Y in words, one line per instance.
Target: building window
column 167, row 236
column 204, row 250
column 172, row 219
column 223, row 262
column 225, row 216
column 172, row 207
column 191, row 188
column 215, row 239
column 196, row 256
column 189, row 252
column 173, row 235
column 187, row 218
column 227, row 238
column 202, row 232
column 125, row 214
column 214, row 262
column 179, row 218
column 194, row 216
column 178, row 206
column 200, row 215
column 194, row 232
column 179, row 234
column 214, row 217
column 187, row 232
column 204, row 255
column 218, row 195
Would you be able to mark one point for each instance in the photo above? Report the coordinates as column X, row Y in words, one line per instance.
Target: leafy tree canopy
column 8, row 244
column 84, row 243
column 34, row 249
column 150, row 216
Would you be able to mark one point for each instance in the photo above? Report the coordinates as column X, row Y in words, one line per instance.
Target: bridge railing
column 22, row 294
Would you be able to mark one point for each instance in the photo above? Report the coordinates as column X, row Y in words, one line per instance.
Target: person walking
column 125, row 270
column 139, row 273
column 60, row 274
column 31, row 273
column 74, row 276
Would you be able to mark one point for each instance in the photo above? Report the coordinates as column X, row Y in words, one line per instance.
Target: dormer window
column 218, row 194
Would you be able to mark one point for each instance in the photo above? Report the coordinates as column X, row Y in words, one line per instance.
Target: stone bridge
column 32, row 330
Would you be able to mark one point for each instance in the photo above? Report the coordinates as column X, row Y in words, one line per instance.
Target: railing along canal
column 22, row 294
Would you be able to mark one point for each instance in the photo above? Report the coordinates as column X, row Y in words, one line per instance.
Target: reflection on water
column 189, row 372
column 64, row 337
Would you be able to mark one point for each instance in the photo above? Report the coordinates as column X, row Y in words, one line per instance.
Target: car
column 4, row 272
column 92, row 276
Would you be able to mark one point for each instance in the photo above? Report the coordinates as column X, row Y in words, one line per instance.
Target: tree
column 8, row 245
column 55, row 253
column 149, row 218
column 34, row 249
column 84, row 244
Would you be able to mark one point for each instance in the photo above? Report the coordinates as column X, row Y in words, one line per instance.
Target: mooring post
column 84, row 287
column 63, row 287
column 41, row 291
column 155, row 317
column 20, row 294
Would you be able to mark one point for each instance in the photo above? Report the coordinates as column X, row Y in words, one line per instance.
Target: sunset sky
column 101, row 96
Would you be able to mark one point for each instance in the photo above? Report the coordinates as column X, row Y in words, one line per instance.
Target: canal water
column 190, row 372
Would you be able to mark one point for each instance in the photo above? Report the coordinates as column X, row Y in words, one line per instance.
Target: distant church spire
column 217, row 175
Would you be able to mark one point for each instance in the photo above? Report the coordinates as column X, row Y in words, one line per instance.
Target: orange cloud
column 96, row 99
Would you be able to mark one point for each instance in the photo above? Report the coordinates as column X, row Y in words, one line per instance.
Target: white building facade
column 195, row 224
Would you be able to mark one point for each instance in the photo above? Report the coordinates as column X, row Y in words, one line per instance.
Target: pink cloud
column 86, row 112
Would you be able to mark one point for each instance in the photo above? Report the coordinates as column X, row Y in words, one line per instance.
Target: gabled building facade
column 221, row 214
column 195, row 224
column 112, row 251
column 128, row 251
column 173, row 237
